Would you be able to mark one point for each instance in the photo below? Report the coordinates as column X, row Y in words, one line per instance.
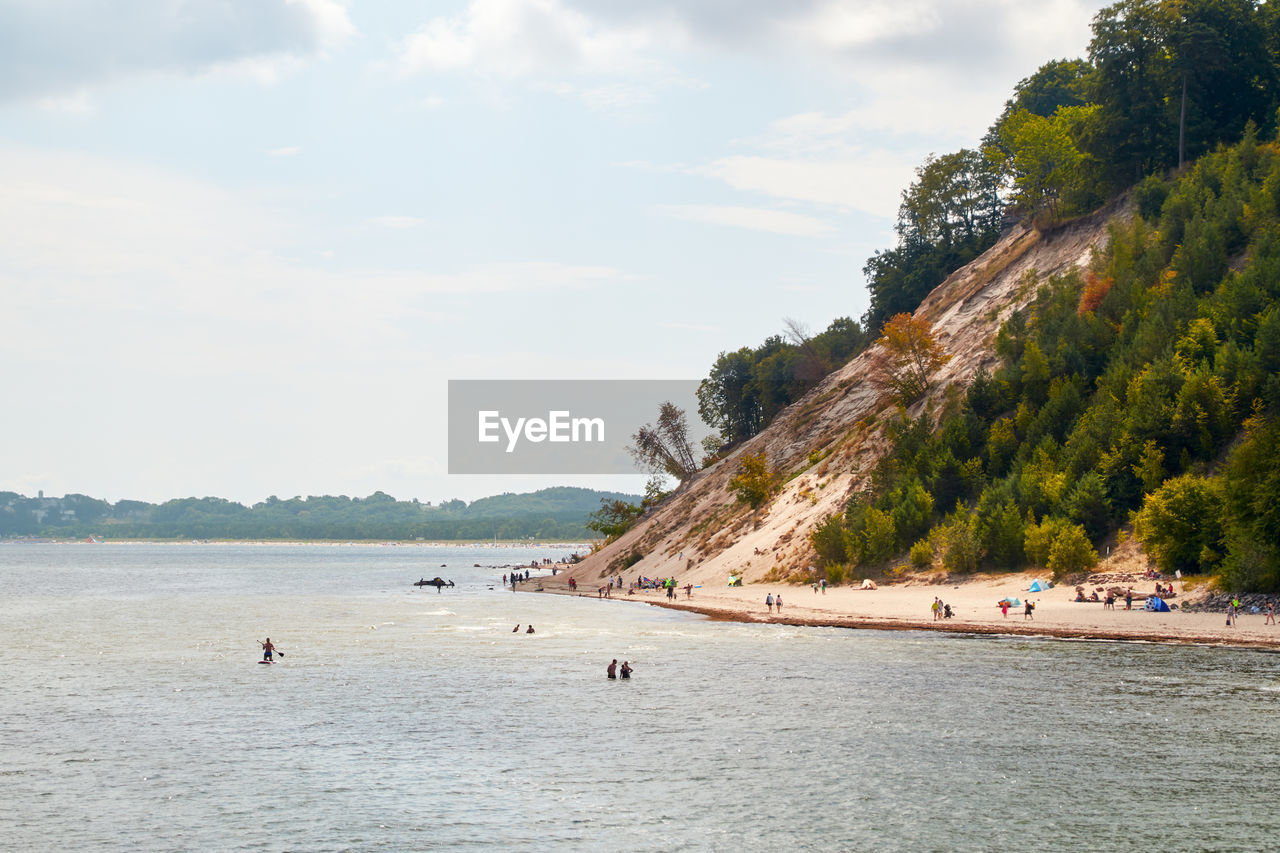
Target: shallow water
column 133, row 715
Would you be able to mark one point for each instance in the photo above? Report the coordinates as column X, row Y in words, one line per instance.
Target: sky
column 249, row 242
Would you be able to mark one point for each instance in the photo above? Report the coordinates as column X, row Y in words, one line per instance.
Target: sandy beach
column 906, row 606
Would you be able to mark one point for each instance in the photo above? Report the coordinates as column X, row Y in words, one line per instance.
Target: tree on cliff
column 755, row 483
column 664, row 447
column 913, row 356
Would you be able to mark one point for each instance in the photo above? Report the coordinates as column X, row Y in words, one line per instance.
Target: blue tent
column 1013, row 602
column 1157, row 604
column 1040, row 586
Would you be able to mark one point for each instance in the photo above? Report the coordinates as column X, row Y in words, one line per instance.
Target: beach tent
column 1040, row 586
column 735, row 581
column 1013, row 602
column 868, row 583
column 1157, row 604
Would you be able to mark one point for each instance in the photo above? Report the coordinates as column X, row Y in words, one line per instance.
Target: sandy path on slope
column 905, row 606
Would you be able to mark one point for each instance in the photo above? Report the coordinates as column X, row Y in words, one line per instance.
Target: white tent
column 868, row 583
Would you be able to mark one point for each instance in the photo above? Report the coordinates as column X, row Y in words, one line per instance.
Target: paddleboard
column 266, row 661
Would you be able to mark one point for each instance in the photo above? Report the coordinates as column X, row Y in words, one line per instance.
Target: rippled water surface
column 133, row 715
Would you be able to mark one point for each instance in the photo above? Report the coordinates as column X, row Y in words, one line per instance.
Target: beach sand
column 906, row 606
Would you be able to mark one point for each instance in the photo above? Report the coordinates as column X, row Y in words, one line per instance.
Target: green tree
column 728, row 399
column 829, row 541
column 1071, row 551
column 958, row 542
column 1050, row 171
column 1251, row 486
column 1181, row 525
column 613, row 518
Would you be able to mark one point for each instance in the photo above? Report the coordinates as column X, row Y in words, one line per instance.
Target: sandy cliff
column 828, row 442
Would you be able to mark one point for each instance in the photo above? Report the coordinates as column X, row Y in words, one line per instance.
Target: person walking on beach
column 1271, row 614
column 612, row 669
column 1026, row 610
column 626, row 670
column 1128, row 599
column 823, row 584
column 935, row 608
column 768, row 602
column 777, row 602
column 1004, row 608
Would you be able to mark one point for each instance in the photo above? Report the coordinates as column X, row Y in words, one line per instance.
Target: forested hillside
column 1136, row 393
column 1145, row 388
column 555, row 513
column 1165, row 81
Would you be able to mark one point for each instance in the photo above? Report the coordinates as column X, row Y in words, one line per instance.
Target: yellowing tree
column 755, row 483
column 913, row 356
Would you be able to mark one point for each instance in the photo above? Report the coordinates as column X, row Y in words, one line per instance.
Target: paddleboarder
column 267, row 649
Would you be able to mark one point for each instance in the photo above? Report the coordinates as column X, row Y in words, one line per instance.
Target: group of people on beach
column 612, row 669
column 941, row 610
column 771, row 601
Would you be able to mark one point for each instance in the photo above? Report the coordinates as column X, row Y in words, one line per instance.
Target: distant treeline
column 554, row 513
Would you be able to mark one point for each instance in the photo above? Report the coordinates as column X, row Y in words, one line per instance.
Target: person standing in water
column 267, row 648
column 612, row 669
column 626, row 670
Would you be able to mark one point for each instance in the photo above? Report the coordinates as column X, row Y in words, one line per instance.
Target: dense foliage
column 1164, row 81
column 748, row 387
column 1147, row 387
column 555, row 513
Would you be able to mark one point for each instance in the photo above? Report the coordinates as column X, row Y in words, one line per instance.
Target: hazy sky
column 247, row 242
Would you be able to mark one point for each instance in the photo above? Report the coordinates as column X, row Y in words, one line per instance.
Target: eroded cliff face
column 828, row 443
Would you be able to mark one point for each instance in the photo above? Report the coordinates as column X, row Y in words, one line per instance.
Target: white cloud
column 119, row 263
column 522, row 37
column 52, row 50
column 553, row 47
column 753, row 218
column 870, row 183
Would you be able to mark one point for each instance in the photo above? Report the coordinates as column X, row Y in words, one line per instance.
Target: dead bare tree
column 664, row 447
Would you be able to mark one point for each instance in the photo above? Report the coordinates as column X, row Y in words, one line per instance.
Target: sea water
column 134, row 716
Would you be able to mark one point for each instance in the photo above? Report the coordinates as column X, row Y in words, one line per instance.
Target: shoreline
column 893, row 607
